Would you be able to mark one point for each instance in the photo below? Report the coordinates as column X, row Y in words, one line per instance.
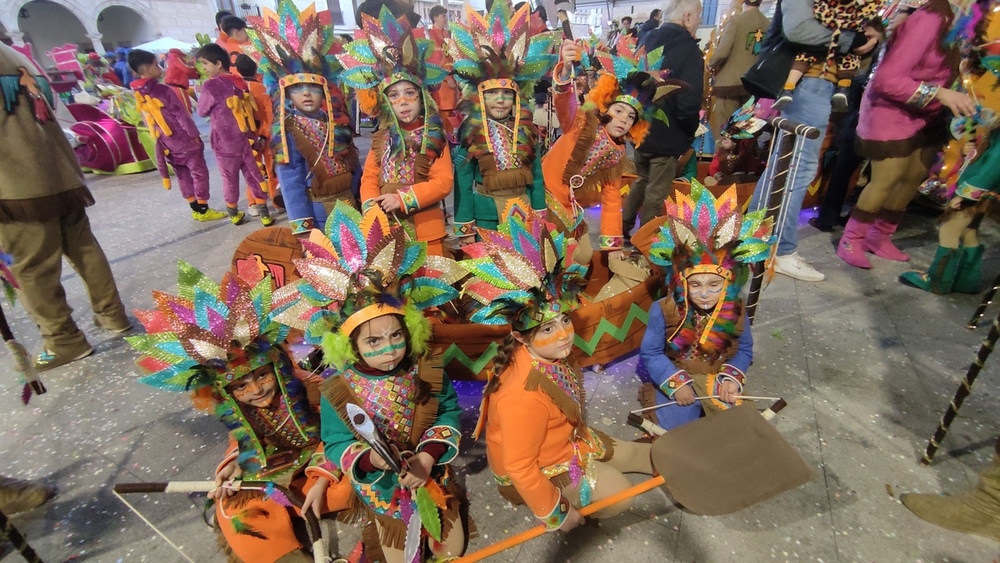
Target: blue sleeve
column 744, row 353
column 652, row 349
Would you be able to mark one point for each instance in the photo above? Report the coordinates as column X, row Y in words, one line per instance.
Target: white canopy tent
column 165, row 44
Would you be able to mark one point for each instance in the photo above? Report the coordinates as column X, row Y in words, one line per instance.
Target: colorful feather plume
column 360, row 262
column 385, row 49
column 744, row 123
column 701, row 229
column 7, row 276
column 498, row 44
column 294, row 42
column 194, row 338
column 524, row 273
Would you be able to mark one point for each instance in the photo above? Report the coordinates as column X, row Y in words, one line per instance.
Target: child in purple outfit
column 226, row 101
column 178, row 141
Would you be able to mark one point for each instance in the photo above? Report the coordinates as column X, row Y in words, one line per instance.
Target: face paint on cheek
column 544, row 340
column 385, row 350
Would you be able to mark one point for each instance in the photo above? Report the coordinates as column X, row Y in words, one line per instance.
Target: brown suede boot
column 974, row 512
column 19, row 496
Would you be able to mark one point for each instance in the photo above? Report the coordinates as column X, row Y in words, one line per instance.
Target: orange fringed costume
column 543, row 417
column 585, row 166
column 432, row 182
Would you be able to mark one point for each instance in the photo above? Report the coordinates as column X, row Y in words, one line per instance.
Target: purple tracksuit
column 230, row 144
column 182, row 147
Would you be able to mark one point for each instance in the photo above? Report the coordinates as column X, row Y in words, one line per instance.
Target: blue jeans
column 811, row 106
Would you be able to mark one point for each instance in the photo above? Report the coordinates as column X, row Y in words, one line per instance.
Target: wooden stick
column 743, row 397
column 963, row 391
column 987, row 300
column 526, row 535
column 14, row 536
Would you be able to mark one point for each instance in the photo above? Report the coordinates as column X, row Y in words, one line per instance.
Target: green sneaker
column 264, row 214
column 235, row 216
column 208, row 215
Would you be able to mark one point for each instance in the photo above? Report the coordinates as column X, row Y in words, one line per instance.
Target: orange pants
column 266, row 533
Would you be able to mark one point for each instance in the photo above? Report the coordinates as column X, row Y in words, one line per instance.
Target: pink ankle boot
column 852, row 245
column 879, row 240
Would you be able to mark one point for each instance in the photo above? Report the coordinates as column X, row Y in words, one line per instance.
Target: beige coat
column 32, row 189
column 737, row 51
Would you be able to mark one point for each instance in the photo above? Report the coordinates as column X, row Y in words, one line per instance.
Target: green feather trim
column 419, row 327
column 337, row 349
column 428, row 511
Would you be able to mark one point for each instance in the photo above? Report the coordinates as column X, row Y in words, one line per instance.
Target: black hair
column 629, row 18
column 246, row 66
column 214, row 53
column 221, row 15
column 437, row 11
column 138, row 58
column 231, row 23
column 655, row 13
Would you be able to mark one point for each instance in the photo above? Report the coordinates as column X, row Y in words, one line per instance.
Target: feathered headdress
column 208, row 336
column 744, row 124
column 633, row 77
column 384, row 52
column 362, row 269
column 703, row 234
column 296, row 48
column 496, row 51
column 524, row 273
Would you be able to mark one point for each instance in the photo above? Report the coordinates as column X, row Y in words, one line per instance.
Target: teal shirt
column 982, row 176
column 344, row 449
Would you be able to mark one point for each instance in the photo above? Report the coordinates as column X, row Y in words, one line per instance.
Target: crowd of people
column 457, row 118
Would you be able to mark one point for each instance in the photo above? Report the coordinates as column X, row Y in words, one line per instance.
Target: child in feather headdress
column 698, row 341
column 497, row 160
column 361, row 295
column 409, row 169
column 586, row 165
column 314, row 153
column 538, row 444
column 220, row 341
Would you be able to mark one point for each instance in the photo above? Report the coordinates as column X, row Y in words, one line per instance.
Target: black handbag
column 767, row 77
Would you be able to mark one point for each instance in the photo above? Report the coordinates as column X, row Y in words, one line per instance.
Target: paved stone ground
column 865, row 364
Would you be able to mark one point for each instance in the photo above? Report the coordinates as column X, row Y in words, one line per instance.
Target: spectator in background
column 122, row 71
column 236, row 31
column 794, row 20
column 657, row 158
column 648, row 26
column 736, row 52
column 43, row 217
column 447, row 94
column 221, row 38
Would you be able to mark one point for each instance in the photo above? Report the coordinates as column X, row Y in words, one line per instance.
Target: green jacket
column 480, row 210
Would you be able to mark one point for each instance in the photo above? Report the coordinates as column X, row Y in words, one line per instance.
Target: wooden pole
column 789, row 132
column 986, row 302
column 963, row 391
column 12, row 534
column 539, row 530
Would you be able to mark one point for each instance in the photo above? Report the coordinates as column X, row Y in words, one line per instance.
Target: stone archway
column 46, row 24
column 121, row 26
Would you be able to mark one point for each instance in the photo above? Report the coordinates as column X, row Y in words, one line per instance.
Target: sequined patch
column 389, row 401
column 396, row 170
column 562, row 375
column 502, row 140
column 316, row 132
column 604, row 154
